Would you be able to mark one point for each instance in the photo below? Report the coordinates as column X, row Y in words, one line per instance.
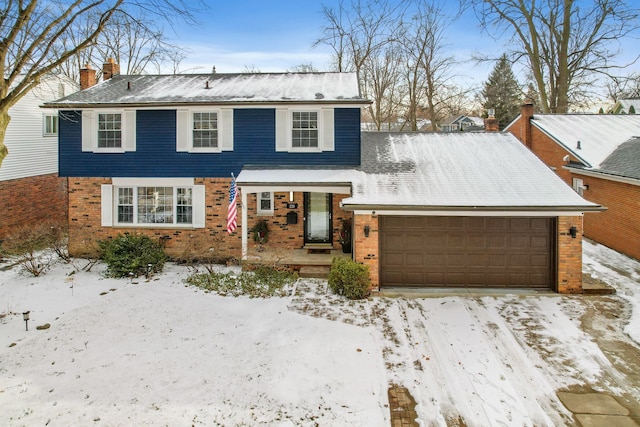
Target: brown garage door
column 466, row 251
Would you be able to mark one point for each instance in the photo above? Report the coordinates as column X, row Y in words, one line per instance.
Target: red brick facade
column 31, row 200
column 619, row 226
column 85, row 220
column 367, row 249
column 569, row 256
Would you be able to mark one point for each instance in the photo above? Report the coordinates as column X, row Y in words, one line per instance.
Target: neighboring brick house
column 155, row 154
column 30, row 189
column 598, row 155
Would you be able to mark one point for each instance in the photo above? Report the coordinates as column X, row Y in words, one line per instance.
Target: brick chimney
column 526, row 112
column 87, row 77
column 110, row 69
column 491, row 123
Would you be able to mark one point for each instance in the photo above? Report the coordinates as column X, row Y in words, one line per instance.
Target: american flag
column 232, row 212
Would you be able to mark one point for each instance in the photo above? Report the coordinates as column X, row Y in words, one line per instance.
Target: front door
column 317, row 218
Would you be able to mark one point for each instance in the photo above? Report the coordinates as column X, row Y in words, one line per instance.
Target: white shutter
column 328, row 143
column 282, row 130
column 107, row 205
column 129, row 118
column 183, row 129
column 88, row 130
column 226, row 129
column 198, row 206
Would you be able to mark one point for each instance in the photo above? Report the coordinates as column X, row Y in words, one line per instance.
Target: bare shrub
column 86, row 250
column 204, row 251
column 30, row 245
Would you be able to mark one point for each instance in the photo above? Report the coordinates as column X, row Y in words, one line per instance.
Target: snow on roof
column 599, row 134
column 219, row 88
column 457, row 170
column 625, row 104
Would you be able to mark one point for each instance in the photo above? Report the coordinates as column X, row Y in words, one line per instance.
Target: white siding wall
column 31, row 153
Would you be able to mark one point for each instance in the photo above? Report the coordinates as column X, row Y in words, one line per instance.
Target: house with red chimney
column 157, row 154
column 598, row 155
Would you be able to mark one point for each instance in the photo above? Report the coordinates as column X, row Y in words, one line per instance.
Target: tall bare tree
column 564, row 43
column 32, row 34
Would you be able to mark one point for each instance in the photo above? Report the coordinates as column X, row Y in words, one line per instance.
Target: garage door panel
column 467, row 251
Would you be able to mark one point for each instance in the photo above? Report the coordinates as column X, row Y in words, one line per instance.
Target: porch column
column 245, row 227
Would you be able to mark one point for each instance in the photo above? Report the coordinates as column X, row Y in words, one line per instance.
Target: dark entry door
column 317, row 218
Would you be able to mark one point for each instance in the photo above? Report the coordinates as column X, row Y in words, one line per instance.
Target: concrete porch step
column 314, row 271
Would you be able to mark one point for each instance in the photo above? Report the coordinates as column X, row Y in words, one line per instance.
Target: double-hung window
column 304, row 132
column 205, row 130
column 50, row 124
column 109, row 130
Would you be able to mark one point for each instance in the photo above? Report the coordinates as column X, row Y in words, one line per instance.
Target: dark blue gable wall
column 156, row 156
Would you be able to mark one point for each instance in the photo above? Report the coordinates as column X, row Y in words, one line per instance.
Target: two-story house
column 156, row 153
column 599, row 156
column 30, row 190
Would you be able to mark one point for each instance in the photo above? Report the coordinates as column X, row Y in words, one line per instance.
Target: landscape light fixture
column 25, row 316
column 367, row 230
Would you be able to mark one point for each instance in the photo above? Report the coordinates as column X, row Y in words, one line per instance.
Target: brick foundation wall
column 619, row 226
column 569, row 258
column 85, row 221
column 32, row 200
column 367, row 249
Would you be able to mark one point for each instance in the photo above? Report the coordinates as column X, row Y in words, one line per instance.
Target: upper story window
column 205, row 130
column 304, row 129
column 153, row 202
column 109, row 130
column 50, row 124
column 112, row 131
column 578, row 186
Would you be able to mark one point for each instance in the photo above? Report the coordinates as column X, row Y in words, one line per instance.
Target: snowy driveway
column 159, row 353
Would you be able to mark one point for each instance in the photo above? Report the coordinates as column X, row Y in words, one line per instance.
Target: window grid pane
column 155, row 205
column 110, row 130
column 184, row 207
column 125, row 205
column 305, row 129
column 205, row 130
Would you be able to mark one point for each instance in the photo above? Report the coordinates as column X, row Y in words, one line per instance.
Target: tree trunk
column 5, row 118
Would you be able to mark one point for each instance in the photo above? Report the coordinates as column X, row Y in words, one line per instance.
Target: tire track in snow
column 462, row 373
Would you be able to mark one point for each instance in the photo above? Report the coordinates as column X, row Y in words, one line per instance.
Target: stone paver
column 592, row 403
column 590, row 420
column 402, row 407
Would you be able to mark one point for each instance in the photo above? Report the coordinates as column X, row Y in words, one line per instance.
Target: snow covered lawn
column 161, row 353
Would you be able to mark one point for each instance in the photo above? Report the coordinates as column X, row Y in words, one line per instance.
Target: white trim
column 281, row 129
column 106, row 195
column 182, row 130
column 296, row 188
column 152, row 182
column 603, row 176
column 90, row 131
column 327, row 142
column 89, row 136
column 244, row 230
column 326, row 128
column 129, row 130
column 198, row 206
column 468, row 213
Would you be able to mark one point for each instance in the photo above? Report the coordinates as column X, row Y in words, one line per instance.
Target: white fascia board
column 152, row 182
column 469, row 213
column 296, row 188
column 602, row 175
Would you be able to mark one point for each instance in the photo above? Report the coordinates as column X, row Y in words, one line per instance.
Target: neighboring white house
column 30, row 189
column 623, row 106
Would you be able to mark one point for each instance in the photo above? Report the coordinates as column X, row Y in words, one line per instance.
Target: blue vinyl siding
column 156, row 156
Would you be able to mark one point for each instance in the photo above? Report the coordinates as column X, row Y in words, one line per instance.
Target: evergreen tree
column 502, row 92
column 632, row 110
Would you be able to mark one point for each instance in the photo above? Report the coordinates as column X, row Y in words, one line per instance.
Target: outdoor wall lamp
column 573, row 231
column 25, row 316
column 367, row 230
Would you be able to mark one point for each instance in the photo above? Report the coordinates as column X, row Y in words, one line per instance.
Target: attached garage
column 471, row 251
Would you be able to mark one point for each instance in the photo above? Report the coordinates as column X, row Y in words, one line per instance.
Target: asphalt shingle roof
column 253, row 88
